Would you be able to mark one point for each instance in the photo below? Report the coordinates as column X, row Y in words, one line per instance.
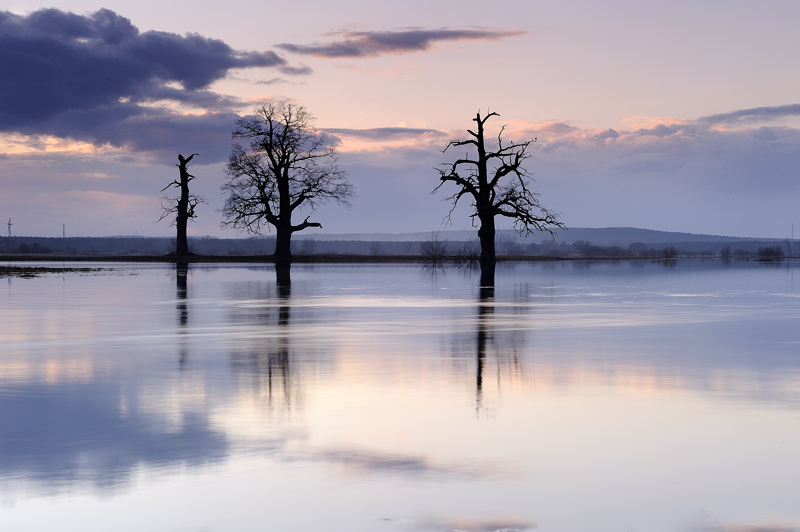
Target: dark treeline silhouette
column 454, row 250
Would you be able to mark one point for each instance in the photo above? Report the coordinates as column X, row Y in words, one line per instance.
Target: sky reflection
column 606, row 397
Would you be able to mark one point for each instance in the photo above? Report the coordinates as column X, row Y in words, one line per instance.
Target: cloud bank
column 757, row 114
column 375, row 43
column 97, row 78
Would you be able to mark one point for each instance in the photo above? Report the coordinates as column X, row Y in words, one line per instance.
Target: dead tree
column 284, row 166
column 182, row 207
column 497, row 184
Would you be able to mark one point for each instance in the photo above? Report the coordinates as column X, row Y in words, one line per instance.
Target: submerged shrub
column 770, row 253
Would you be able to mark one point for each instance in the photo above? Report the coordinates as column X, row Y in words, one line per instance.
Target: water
column 576, row 397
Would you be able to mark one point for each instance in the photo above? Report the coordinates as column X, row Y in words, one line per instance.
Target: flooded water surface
column 571, row 397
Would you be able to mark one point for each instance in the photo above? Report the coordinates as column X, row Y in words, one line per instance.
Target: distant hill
column 624, row 236
column 605, row 236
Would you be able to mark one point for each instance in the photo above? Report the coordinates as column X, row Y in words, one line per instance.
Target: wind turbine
column 9, row 228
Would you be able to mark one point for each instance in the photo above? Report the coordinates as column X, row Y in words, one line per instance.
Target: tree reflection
column 496, row 342
column 487, row 274
column 182, row 276
column 278, row 359
column 484, row 334
column 265, row 365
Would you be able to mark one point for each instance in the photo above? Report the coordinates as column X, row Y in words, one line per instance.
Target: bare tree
column 284, row 165
column 497, row 184
column 181, row 207
column 434, row 249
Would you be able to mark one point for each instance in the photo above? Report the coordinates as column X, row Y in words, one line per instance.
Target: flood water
column 575, row 397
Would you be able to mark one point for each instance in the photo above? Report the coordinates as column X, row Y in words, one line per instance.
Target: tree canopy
column 496, row 183
column 280, row 164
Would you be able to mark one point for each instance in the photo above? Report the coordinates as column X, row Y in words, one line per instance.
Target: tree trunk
column 181, row 244
column 486, row 235
column 283, row 242
column 182, row 218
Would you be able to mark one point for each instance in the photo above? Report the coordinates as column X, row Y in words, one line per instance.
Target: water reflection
column 648, row 392
column 181, row 295
column 485, row 313
column 96, row 433
column 474, row 525
column 265, row 366
column 361, row 461
column 499, row 340
column 182, row 287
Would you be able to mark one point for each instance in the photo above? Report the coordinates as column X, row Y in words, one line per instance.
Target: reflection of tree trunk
column 279, row 362
column 182, row 275
column 487, row 274
column 284, row 282
column 283, row 278
column 485, row 312
column 279, row 359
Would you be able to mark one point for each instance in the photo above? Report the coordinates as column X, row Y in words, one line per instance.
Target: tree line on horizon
column 279, row 164
column 456, row 251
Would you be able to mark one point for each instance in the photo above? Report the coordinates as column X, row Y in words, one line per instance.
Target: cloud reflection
column 83, row 434
column 366, row 462
column 474, row 525
column 764, row 527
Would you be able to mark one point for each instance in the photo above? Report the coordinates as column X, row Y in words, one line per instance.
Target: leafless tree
column 497, row 184
column 181, row 207
column 279, row 164
column 434, row 249
column 469, row 253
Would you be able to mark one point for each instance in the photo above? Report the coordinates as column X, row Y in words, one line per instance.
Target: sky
column 675, row 116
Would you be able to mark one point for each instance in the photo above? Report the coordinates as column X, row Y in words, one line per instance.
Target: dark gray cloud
column 373, row 43
column 86, row 77
column 272, row 81
column 295, row 70
column 756, row 114
column 384, row 133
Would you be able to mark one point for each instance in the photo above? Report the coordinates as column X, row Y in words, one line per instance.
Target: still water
column 576, row 397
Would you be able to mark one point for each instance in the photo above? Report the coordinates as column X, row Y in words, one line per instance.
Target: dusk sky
column 677, row 116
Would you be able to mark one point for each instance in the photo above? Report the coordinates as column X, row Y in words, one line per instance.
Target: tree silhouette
column 182, row 207
column 433, row 250
column 283, row 166
column 498, row 185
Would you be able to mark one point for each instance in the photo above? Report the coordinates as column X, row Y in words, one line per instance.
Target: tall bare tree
column 181, row 207
column 497, row 184
column 284, row 165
